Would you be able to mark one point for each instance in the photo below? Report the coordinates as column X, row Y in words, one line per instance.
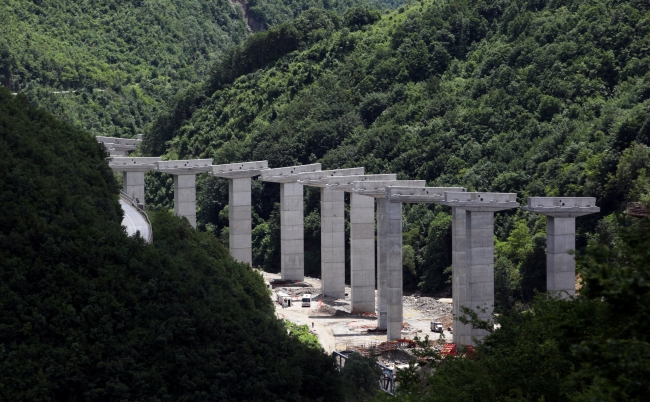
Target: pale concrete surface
column 333, row 242
column 436, row 195
column 561, row 213
column 393, row 253
column 332, row 228
column 240, row 219
column 459, row 273
column 292, row 243
column 479, row 250
column 362, row 253
column 389, row 260
column 240, row 205
column 184, row 172
column 118, row 146
column 133, row 170
column 292, row 234
column 134, row 221
column 185, row 197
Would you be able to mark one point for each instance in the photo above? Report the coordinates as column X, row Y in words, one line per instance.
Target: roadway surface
column 134, row 221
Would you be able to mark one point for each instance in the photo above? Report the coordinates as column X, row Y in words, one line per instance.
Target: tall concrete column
column 561, row 213
column 332, row 208
column 184, row 172
column 240, row 219
column 133, row 185
column 185, row 197
column 292, row 236
column 432, row 195
column 362, row 253
column 333, row 242
column 479, row 252
column 292, row 243
column 239, row 177
column 362, row 240
column 389, row 259
column 459, row 273
column 479, row 259
column 133, row 170
column 393, row 270
column 382, row 265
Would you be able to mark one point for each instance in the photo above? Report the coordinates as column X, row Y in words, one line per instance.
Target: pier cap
column 564, row 207
column 320, row 178
column 346, row 183
column 480, row 201
column 290, row 174
column 239, row 170
column 377, row 188
column 181, row 167
column 435, row 195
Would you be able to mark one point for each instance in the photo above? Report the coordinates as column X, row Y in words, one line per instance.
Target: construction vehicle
column 306, row 300
column 436, row 327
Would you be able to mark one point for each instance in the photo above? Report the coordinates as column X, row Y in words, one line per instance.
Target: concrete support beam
column 240, row 228
column 362, row 240
column 433, row 195
column 561, row 213
column 184, row 172
column 292, row 219
column 479, row 250
column 332, row 228
column 393, row 269
column 185, row 197
column 378, row 190
column 362, row 253
column 459, row 274
column 133, row 170
column 118, row 146
column 240, row 205
column 332, row 247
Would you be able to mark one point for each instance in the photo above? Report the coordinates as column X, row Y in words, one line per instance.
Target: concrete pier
column 292, row 219
column 133, row 170
column 436, row 195
column 561, row 213
column 362, row 241
column 459, row 274
column 332, row 228
column 240, row 205
column 184, row 172
column 387, row 254
column 479, row 249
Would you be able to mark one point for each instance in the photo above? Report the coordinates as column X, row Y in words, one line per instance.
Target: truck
column 436, row 326
column 306, row 300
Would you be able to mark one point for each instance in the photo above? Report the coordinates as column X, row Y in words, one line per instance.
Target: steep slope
column 543, row 98
column 110, row 66
column 89, row 314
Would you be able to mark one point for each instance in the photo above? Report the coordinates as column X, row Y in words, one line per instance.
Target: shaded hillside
column 543, row 98
column 89, row 314
column 110, row 66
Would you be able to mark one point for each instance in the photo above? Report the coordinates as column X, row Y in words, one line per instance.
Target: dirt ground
column 337, row 329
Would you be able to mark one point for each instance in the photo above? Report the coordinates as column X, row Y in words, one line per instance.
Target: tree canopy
column 88, row 313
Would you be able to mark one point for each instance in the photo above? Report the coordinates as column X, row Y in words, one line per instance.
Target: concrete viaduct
column 472, row 229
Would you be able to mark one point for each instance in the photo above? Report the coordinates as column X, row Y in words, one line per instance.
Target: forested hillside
column 111, row 66
column 546, row 97
column 89, row 314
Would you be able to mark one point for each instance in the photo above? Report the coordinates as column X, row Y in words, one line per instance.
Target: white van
column 306, row 300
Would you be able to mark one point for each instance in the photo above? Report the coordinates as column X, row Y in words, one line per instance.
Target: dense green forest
column 111, row 66
column 546, row 97
column 90, row 314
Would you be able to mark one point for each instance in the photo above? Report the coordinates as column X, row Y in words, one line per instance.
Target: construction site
column 338, row 330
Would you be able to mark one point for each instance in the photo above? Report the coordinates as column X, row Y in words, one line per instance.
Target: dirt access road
column 337, row 329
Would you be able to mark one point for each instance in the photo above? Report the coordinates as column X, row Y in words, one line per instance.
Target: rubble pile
column 428, row 305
